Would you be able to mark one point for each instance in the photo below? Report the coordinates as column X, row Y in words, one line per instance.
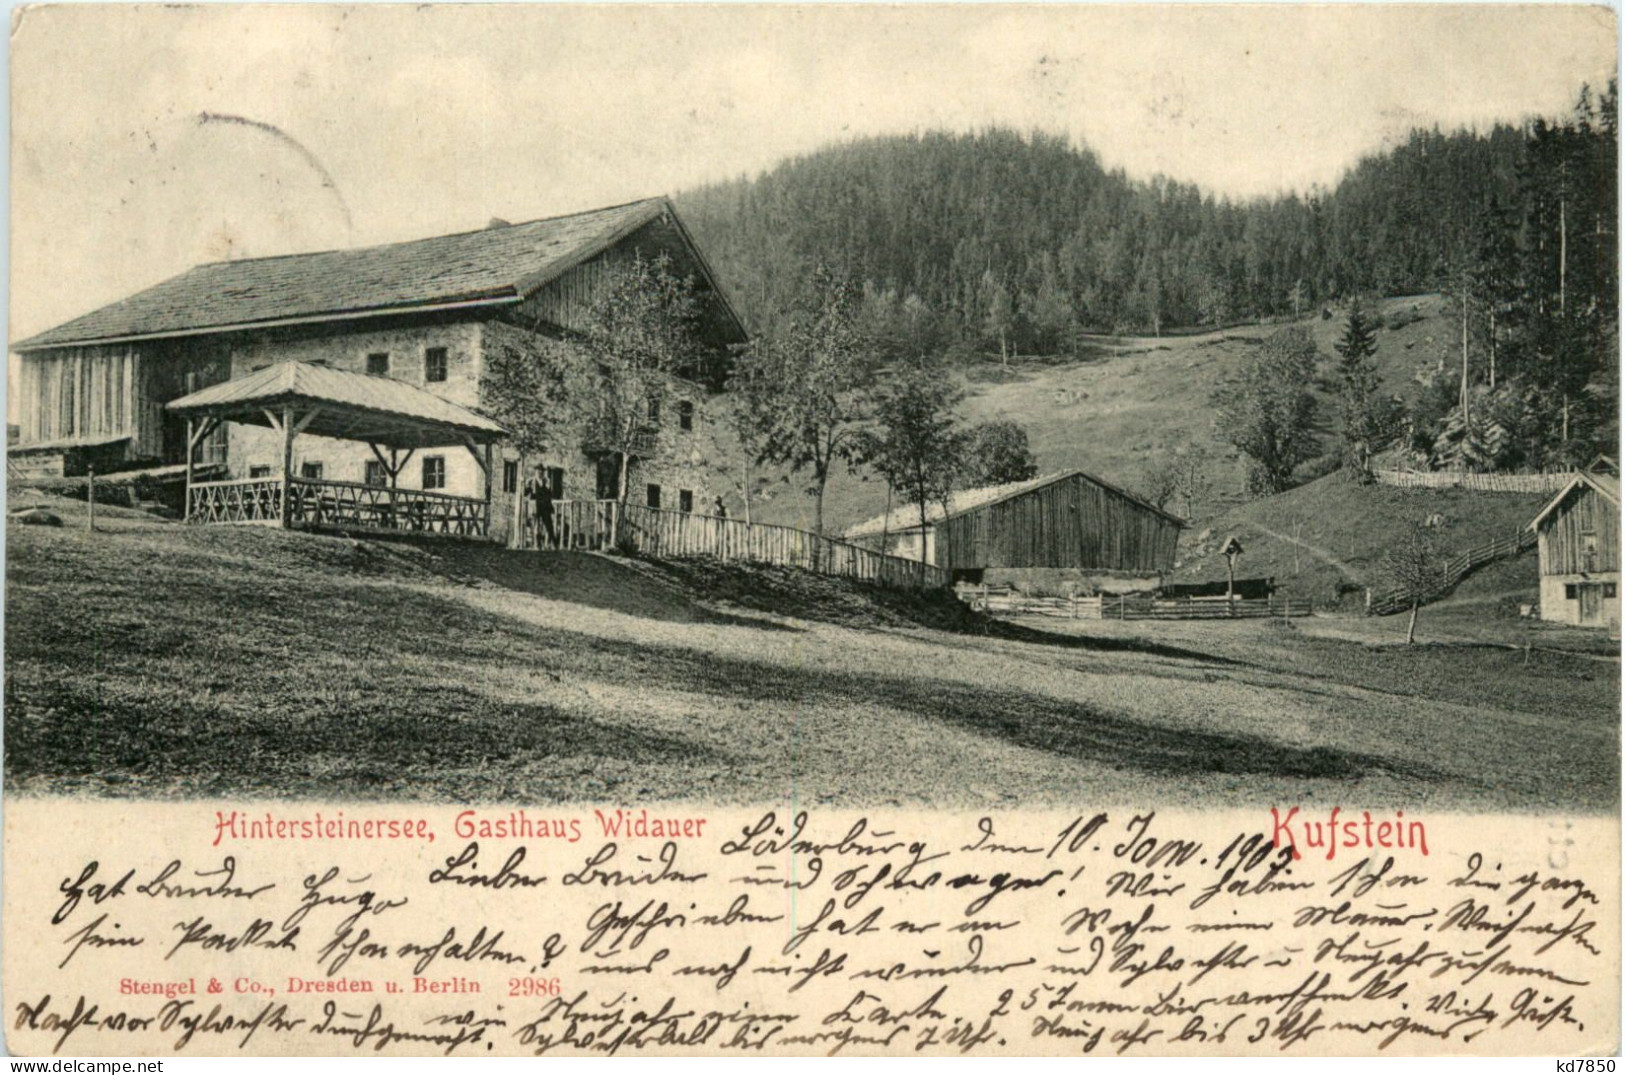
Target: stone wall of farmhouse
column 683, row 460
column 251, row 447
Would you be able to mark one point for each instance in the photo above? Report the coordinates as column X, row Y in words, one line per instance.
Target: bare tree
column 1411, row 564
column 1179, row 478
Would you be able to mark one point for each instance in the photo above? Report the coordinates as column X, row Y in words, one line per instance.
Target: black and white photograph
column 622, row 412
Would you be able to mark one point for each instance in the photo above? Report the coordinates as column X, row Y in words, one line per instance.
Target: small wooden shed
column 1578, row 532
column 1068, row 520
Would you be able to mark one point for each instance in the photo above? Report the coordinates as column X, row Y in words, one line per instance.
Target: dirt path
column 1314, row 550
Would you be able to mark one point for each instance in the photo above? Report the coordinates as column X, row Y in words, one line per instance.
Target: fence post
column 90, row 500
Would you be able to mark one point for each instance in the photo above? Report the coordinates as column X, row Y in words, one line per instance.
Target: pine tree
column 1366, row 421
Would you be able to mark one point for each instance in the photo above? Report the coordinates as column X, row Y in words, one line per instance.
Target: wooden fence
column 1482, row 483
column 604, row 524
column 1395, row 599
column 1135, row 606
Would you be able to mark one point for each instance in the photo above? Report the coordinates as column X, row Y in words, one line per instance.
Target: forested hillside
column 998, row 237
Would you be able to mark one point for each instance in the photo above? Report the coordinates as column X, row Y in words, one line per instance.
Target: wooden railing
column 604, row 524
column 243, row 500
column 355, row 506
column 1135, row 606
column 337, row 505
column 1397, row 599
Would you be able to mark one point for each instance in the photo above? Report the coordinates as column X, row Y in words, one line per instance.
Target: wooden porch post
column 186, row 511
column 395, row 465
column 287, row 465
column 488, row 489
column 516, row 537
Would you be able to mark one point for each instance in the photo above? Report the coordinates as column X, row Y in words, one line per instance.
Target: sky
column 147, row 139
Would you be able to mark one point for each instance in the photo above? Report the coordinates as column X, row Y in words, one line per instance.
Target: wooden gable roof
column 493, row 267
column 906, row 517
column 1605, row 484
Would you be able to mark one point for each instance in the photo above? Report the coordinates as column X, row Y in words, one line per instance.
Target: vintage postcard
column 772, row 530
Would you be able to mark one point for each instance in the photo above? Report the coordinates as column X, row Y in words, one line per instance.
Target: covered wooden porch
column 394, row 419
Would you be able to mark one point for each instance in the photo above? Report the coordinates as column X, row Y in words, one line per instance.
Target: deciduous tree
column 815, row 373
column 917, row 443
column 1267, row 410
column 997, row 452
column 640, row 331
column 1411, row 566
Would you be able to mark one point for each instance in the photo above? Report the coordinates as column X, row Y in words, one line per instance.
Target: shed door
column 1591, row 605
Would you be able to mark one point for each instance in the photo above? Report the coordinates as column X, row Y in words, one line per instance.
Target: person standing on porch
column 541, row 499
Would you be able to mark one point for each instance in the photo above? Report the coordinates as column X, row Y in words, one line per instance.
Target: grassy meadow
column 152, row 659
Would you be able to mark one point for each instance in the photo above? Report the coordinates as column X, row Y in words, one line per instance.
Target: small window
column 685, row 416
column 654, row 410
column 259, row 472
column 434, row 472
column 510, row 476
column 654, row 496
column 434, row 364
column 378, row 364
column 1610, row 589
column 375, row 473
column 685, row 500
column 555, row 482
column 311, row 470
column 1570, row 591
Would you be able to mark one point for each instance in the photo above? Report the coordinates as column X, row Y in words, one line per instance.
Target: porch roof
column 340, row 404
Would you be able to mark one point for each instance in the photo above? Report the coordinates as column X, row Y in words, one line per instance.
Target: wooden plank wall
column 1069, row 523
column 79, row 393
column 1585, row 511
column 563, row 301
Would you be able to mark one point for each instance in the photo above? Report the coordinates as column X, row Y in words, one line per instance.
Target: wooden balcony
column 643, row 445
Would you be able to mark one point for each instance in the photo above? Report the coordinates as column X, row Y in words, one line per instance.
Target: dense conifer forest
column 1000, row 243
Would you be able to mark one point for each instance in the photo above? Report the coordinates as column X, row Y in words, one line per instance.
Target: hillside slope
column 1137, row 399
column 1327, row 538
column 158, row 660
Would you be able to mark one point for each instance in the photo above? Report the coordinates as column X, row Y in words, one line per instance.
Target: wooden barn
column 1579, row 553
column 1072, row 520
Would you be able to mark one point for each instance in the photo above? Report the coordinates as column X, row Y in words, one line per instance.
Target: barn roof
column 1606, row 484
column 497, row 265
column 907, row 517
column 351, row 406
